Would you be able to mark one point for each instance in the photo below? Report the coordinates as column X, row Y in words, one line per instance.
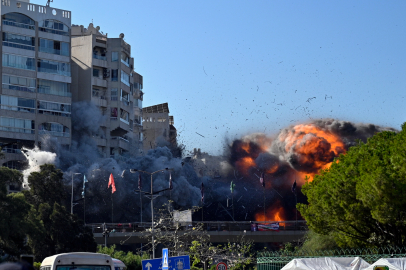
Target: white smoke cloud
column 36, row 158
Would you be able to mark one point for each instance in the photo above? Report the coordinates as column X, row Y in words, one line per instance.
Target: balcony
column 55, row 133
column 20, row 25
column 99, row 82
column 100, row 57
column 99, row 101
column 100, row 141
column 120, row 142
column 100, row 61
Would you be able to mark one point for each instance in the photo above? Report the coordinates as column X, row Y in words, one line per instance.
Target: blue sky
column 230, row 68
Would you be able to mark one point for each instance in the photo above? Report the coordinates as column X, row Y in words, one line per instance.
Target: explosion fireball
column 297, row 153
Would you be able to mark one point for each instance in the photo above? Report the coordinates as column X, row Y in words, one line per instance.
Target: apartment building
column 158, row 126
column 103, row 73
column 35, row 97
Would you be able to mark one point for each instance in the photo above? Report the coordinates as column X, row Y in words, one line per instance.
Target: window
column 18, row 20
column 54, row 129
column 18, row 41
column 125, row 60
column 54, row 27
column 17, row 104
column 59, row 68
column 113, row 113
column 114, row 56
column 114, row 75
column 125, row 97
column 53, row 46
column 124, row 116
column 54, row 88
column 114, row 94
column 18, row 83
column 125, row 78
column 18, row 61
column 17, row 125
column 59, row 109
column 139, row 101
column 96, row 72
column 98, row 93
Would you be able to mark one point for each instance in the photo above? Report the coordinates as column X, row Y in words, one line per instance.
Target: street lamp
column 71, row 198
column 151, row 194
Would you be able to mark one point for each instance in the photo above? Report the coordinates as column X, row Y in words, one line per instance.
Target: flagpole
column 264, row 206
column 84, row 209
column 296, row 207
column 232, row 202
column 141, row 214
column 112, row 209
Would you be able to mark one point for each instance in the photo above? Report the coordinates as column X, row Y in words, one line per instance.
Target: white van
column 78, row 261
column 119, row 265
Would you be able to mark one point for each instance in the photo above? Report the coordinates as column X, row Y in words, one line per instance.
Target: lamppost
column 152, row 197
column 71, row 198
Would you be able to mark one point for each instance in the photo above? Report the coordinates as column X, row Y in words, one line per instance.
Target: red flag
column 112, row 184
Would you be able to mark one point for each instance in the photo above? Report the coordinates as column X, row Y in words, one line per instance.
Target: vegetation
column 360, row 200
column 35, row 221
column 195, row 242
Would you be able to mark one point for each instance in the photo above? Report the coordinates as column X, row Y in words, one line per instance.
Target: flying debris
column 310, row 99
column 200, row 134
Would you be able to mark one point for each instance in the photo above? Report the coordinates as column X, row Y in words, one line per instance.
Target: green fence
column 277, row 260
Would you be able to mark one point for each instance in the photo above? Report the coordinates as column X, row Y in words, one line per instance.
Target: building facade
column 36, row 78
column 103, row 73
column 158, row 127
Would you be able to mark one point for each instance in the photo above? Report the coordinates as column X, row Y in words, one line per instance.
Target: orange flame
column 272, row 214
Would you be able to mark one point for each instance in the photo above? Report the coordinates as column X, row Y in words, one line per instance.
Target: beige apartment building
column 35, row 97
column 158, row 126
column 103, row 73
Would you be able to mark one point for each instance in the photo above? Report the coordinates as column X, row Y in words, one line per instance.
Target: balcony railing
column 18, row 46
column 119, row 138
column 53, row 51
column 126, row 102
column 18, row 88
column 54, row 71
column 96, row 56
column 125, row 63
column 47, row 90
column 16, row 24
column 19, row 130
column 55, row 133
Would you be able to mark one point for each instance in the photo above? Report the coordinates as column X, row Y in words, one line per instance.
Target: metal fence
column 277, row 260
column 299, row 225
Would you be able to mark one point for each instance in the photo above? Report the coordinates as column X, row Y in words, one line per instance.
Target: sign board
column 165, row 258
column 174, row 263
column 183, row 217
column 221, row 266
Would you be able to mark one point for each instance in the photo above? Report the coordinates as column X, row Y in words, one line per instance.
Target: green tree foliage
column 54, row 230
column 46, row 186
column 360, row 200
column 315, row 242
column 13, row 214
column 131, row 260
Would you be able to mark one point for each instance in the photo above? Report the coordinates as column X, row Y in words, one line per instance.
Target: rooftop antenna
column 49, row 1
